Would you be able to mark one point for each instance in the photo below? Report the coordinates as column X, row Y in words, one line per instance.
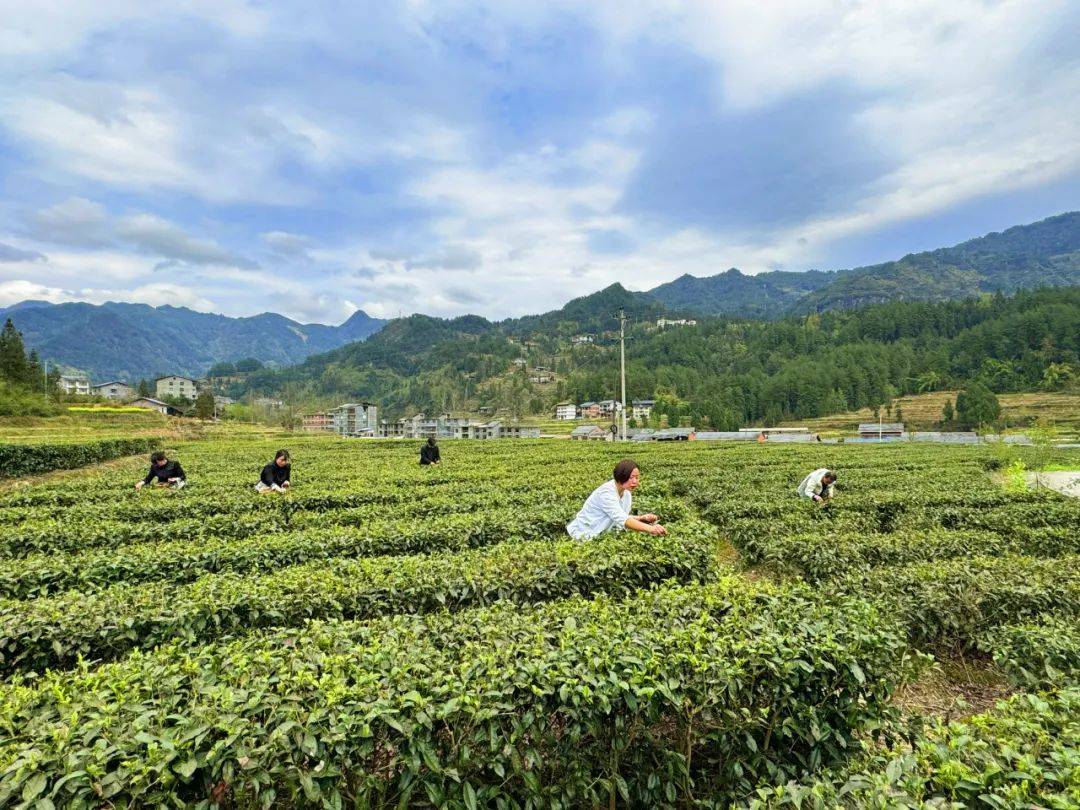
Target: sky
column 315, row 158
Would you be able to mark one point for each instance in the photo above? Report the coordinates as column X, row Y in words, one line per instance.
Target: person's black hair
column 431, row 441
column 282, row 454
column 156, row 456
column 830, row 474
column 624, row 469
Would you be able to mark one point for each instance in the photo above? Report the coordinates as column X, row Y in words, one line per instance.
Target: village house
column 355, row 419
column 664, row 322
column 176, row 386
column 610, row 407
column 566, row 410
column 641, row 408
column 591, row 433
column 116, row 390
column 75, row 384
column 590, row 410
column 156, row 405
column 580, row 340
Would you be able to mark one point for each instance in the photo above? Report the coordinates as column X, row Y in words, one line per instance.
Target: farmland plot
column 387, row 635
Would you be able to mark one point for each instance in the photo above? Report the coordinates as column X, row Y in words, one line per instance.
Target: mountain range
column 130, row 341
column 1042, row 254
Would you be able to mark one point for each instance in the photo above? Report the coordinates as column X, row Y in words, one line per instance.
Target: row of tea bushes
column 672, row 695
column 58, row 631
column 33, row 459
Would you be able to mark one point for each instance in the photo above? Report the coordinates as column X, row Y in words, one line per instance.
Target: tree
column 204, row 405
column 223, row 369
column 248, row 364
column 947, row 412
column 144, row 388
column 13, row 365
column 928, row 381
column 977, row 405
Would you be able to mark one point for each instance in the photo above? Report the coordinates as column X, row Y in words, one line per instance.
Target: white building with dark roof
column 117, row 390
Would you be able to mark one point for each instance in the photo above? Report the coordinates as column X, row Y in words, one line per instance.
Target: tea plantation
column 387, row 635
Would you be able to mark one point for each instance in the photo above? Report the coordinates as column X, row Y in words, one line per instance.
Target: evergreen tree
column 35, row 374
column 144, row 388
column 13, row 365
column 947, row 411
column 204, row 405
column 976, row 405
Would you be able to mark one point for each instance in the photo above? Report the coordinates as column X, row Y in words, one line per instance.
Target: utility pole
column 622, row 367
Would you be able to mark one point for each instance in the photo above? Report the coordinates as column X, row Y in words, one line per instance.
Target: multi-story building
column 590, row 410
column 641, row 408
column 317, row 421
column 355, row 419
column 566, row 410
column 176, row 386
column 449, row 427
column 663, row 322
column 579, row 340
column 609, row 407
column 117, row 390
column 75, row 384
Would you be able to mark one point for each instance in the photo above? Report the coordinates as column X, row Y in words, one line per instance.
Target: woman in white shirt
column 609, row 507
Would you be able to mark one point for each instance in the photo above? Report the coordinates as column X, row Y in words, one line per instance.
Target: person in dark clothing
column 164, row 473
column 429, row 453
column 275, row 475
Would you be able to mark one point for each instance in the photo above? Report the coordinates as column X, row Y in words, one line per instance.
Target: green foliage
column 947, row 412
column 15, row 400
column 27, row 459
column 976, row 406
column 204, row 404
column 1024, row 754
column 1041, row 654
column 388, row 635
column 54, row 632
column 576, row 703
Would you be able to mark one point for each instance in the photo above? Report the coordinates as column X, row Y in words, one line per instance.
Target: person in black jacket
column 275, row 475
column 164, row 473
column 429, row 453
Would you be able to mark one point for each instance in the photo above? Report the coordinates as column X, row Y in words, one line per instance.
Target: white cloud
column 80, row 222
column 158, row 237
column 161, row 293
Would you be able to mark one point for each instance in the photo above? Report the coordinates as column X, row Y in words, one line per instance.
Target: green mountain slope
column 766, row 295
column 1042, row 254
column 132, row 341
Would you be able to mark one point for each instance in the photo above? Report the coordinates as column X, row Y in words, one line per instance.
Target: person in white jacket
column 608, row 507
column 818, row 485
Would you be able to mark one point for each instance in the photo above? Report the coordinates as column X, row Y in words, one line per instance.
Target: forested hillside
column 132, row 341
column 722, row 373
column 1042, row 254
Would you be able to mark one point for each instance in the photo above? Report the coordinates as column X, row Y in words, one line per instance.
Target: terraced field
column 387, row 635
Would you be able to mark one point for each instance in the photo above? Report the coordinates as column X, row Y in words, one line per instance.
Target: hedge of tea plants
column 386, row 635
